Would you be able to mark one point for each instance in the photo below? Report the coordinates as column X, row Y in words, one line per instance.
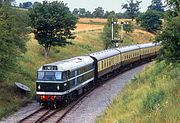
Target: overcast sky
column 90, row 5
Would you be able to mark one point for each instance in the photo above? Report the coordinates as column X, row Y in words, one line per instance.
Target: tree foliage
column 170, row 36
column 75, row 12
column 107, row 32
column 128, row 28
column 132, row 8
column 88, row 14
column 175, row 8
column 109, row 14
column 170, row 40
column 175, row 4
column 98, row 12
column 12, row 38
column 82, row 12
column 53, row 23
column 156, row 5
column 150, row 20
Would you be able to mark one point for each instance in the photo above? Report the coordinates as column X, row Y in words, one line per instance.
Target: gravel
column 20, row 114
column 91, row 106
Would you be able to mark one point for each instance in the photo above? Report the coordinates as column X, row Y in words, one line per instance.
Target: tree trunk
column 46, row 52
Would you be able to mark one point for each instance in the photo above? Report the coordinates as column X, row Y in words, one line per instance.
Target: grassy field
column 88, row 27
column 153, row 96
column 98, row 20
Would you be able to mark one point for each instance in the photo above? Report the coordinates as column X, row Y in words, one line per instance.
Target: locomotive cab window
column 58, row 75
column 50, row 76
column 40, row 75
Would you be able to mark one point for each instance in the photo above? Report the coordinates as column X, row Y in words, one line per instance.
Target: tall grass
column 153, row 96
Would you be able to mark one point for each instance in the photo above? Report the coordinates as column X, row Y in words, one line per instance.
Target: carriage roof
column 127, row 48
column 104, row 54
column 147, row 45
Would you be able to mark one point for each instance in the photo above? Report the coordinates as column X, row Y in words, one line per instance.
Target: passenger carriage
column 129, row 54
column 148, row 50
column 106, row 61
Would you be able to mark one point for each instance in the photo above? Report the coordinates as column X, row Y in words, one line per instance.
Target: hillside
column 153, row 96
column 138, row 35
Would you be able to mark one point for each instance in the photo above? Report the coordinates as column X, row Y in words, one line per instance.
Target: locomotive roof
column 71, row 64
column 127, row 48
column 104, row 54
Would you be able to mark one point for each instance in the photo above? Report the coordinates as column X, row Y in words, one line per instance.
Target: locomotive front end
column 50, row 85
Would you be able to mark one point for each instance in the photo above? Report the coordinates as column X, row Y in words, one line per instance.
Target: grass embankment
column 10, row 98
column 153, row 96
column 137, row 37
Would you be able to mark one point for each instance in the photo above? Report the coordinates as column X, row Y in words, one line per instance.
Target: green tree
column 175, row 8
column 88, row 14
column 170, row 40
column 12, row 38
column 156, row 5
column 82, row 12
column 107, row 32
column 150, row 20
column 98, row 12
column 132, row 8
column 175, row 4
column 106, row 14
column 52, row 23
column 75, row 12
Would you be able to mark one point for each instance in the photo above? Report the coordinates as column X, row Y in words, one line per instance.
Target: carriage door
column 75, row 78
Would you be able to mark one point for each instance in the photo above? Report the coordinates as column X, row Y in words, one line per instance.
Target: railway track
column 43, row 115
column 35, row 116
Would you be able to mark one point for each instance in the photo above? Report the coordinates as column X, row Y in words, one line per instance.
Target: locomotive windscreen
column 49, row 76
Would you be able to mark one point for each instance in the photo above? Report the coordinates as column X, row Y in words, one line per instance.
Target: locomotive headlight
column 39, row 87
column 65, row 84
column 58, row 87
